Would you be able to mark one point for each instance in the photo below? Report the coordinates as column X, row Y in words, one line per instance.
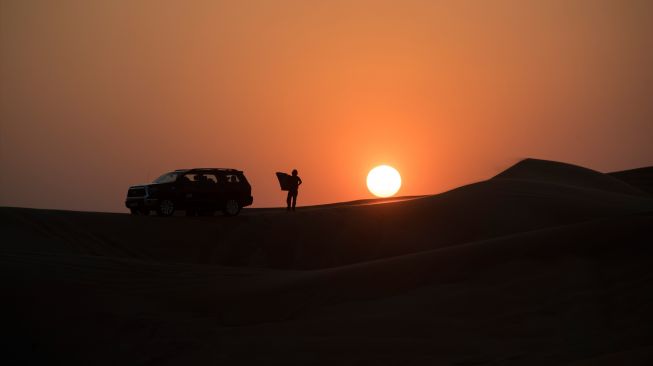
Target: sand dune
column 332, row 235
column 547, row 263
column 566, row 174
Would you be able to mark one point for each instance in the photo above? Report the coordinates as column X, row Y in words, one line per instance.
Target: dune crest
column 565, row 174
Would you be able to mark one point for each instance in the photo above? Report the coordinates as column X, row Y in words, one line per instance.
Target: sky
column 96, row 96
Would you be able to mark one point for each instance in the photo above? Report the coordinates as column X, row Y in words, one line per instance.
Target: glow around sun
column 383, row 181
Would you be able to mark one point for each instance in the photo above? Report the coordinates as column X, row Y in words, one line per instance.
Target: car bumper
column 141, row 202
column 248, row 201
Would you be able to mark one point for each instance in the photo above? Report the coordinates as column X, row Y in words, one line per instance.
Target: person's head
column 294, row 172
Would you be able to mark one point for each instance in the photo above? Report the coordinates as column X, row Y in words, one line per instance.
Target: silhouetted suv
column 199, row 191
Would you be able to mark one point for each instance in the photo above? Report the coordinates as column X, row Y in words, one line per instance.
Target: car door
column 190, row 195
column 210, row 190
column 232, row 186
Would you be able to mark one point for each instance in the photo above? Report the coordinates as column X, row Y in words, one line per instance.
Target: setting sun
column 383, row 181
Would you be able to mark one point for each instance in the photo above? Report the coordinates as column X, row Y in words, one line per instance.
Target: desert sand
column 544, row 264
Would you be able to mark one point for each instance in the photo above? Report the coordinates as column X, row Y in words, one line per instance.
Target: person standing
column 294, row 181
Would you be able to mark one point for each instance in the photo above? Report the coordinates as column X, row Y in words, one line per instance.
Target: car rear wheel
column 231, row 208
column 166, row 208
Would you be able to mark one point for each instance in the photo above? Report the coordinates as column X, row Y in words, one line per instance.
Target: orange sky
column 96, row 96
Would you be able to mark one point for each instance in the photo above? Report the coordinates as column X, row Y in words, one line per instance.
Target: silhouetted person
column 294, row 182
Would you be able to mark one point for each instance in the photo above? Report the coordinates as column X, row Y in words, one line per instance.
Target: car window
column 166, row 178
column 211, row 178
column 232, row 178
column 187, row 178
column 200, row 178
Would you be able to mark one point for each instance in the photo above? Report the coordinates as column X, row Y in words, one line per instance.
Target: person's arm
column 299, row 181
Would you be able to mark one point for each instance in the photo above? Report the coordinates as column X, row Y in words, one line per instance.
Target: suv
column 200, row 191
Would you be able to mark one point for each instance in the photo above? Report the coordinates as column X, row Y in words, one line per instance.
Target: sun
column 383, row 181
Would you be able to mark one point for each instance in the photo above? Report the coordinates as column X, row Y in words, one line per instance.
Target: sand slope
column 515, row 270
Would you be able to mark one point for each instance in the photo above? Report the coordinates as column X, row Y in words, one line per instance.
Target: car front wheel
column 166, row 208
column 231, row 208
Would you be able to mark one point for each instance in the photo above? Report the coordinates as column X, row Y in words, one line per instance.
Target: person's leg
column 288, row 200
column 294, row 200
